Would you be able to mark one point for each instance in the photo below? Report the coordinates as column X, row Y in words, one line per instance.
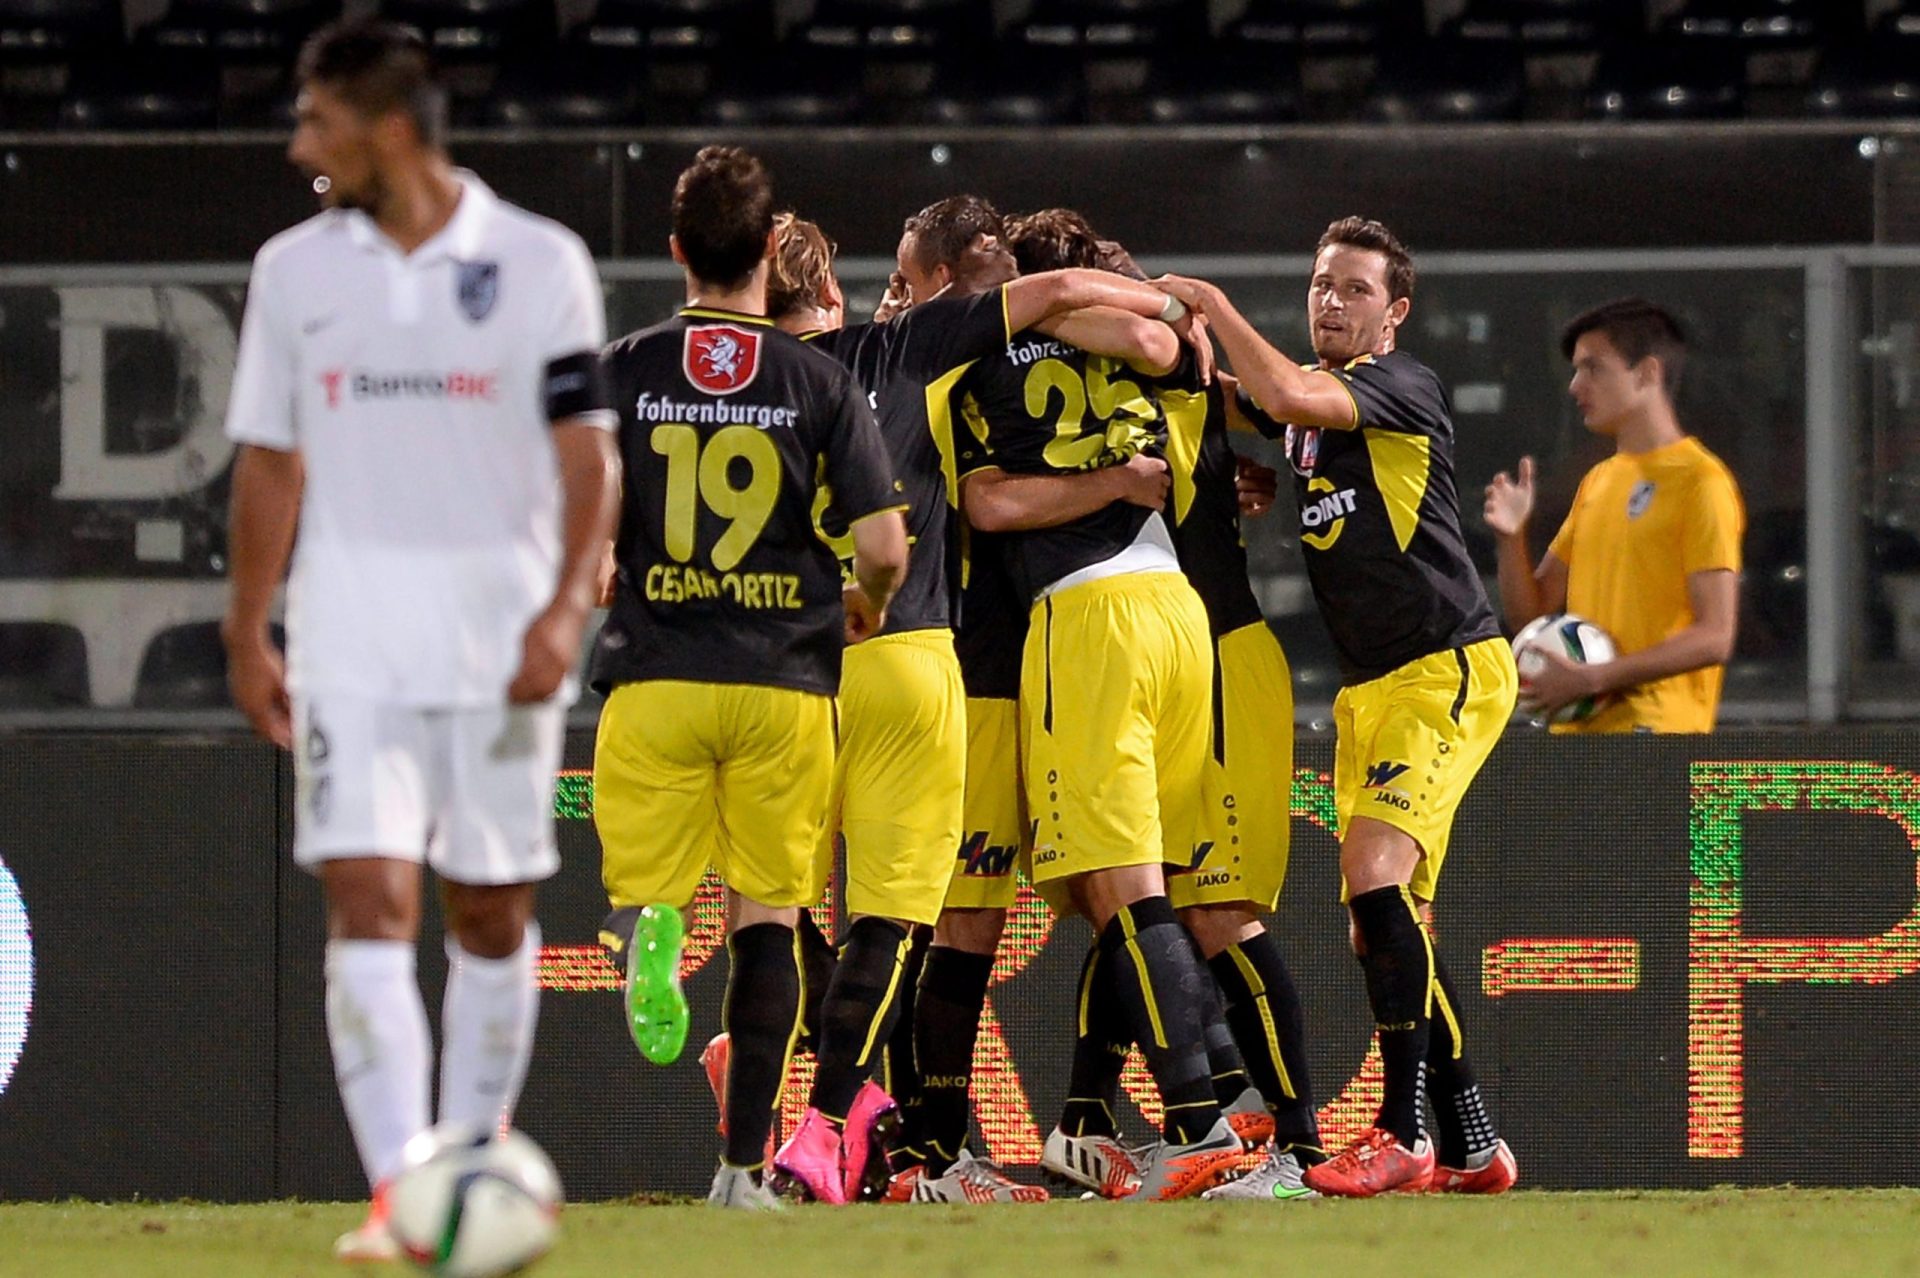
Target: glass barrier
column 113, row 481
column 1885, row 625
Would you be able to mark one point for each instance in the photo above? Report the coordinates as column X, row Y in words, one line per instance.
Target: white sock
column 382, row 1052
column 486, row 1031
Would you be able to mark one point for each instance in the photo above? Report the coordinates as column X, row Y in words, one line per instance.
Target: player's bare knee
column 489, row 921
column 745, row 912
column 970, row 931
column 371, row 899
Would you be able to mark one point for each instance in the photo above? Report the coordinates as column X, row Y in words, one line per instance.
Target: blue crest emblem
column 478, row 287
column 1639, row 499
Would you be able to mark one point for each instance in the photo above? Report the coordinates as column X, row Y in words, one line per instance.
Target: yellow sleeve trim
column 1006, row 314
column 1337, row 381
column 900, row 509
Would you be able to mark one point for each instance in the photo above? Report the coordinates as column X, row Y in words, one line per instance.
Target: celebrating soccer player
column 1428, row 682
column 417, row 387
column 723, row 649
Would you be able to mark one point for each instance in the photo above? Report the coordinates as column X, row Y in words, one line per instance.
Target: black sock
column 1466, row 1129
column 859, row 1012
column 1399, row 968
column 762, row 1017
column 1224, row 1061
column 899, row 1068
column 817, row 959
column 1263, row 1009
column 1100, row 1044
column 953, row 991
column 1161, row 987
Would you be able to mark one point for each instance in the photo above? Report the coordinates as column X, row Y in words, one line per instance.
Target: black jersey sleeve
column 939, row 336
column 856, row 464
column 1257, row 415
column 1397, row 392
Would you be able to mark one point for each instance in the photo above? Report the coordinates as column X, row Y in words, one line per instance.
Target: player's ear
column 1651, row 373
column 1397, row 310
column 673, row 248
column 772, row 249
column 831, row 294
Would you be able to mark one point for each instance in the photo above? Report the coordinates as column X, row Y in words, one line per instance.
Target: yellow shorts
column 1246, row 823
column 899, row 778
column 1409, row 743
column 1116, row 707
column 993, row 840
column 687, row 775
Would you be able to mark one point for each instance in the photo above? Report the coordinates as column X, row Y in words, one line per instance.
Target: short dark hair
column 377, row 67
column 1636, row 328
column 942, row 232
column 1365, row 233
column 723, row 214
column 1052, row 240
column 802, row 265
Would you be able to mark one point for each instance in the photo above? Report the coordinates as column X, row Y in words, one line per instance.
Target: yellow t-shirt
column 1641, row 524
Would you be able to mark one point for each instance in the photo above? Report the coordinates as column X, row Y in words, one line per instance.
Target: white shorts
column 469, row 791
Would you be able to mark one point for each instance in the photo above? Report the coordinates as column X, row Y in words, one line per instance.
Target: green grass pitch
column 1523, row 1235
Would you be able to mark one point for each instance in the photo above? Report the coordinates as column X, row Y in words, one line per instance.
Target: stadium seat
column 1449, row 81
column 1327, row 25
column 1198, row 84
column 1019, row 85
column 1112, row 25
column 142, row 88
column 1869, row 79
column 680, row 27
column 900, row 28
column 573, row 86
column 1767, row 23
column 1541, row 25
column 43, row 666
column 812, row 92
column 264, row 28
column 185, row 668
column 1669, row 79
column 33, row 29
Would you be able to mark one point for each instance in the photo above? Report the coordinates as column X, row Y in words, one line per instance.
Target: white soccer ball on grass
column 474, row 1205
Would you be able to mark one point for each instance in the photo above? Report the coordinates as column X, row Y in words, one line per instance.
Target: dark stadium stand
column 609, row 64
column 43, row 666
column 185, row 668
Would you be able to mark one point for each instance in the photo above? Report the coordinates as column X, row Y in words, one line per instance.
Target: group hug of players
column 962, row 591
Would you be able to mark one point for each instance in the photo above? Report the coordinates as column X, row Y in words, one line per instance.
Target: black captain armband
column 576, row 384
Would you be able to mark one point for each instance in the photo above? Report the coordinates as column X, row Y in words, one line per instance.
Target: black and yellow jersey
column 1042, row 407
column 991, row 630
column 1380, row 522
column 1203, row 510
column 729, row 429
column 908, row 368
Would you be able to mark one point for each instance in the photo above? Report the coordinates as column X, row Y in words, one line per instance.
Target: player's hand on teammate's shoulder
column 1559, row 683
column 864, row 621
column 896, row 299
column 257, row 676
column 547, row 654
column 1510, row 500
column 1143, row 481
column 1255, row 485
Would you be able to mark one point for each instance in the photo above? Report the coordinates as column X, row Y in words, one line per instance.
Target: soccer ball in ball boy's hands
column 1576, row 639
column 472, row 1204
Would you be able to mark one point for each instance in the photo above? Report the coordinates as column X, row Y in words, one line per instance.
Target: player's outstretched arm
column 1526, row 591
column 263, row 514
column 590, row 493
column 996, row 501
column 1033, row 298
column 1279, row 386
column 879, row 565
column 1147, row 345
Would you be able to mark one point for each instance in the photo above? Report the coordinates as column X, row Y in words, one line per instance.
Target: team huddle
column 1002, row 618
column 937, row 600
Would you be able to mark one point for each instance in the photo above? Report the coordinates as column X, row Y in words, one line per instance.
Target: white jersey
column 415, row 387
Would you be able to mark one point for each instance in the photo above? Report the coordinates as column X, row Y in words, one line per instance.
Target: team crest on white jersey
column 477, row 286
column 1639, row 499
column 721, row 359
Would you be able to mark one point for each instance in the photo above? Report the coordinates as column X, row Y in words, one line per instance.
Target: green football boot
column 656, row 1006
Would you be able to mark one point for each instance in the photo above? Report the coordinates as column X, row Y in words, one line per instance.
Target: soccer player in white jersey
column 418, row 390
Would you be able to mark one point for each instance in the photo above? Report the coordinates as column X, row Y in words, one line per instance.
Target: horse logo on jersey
column 721, row 359
column 477, row 286
column 1639, row 499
